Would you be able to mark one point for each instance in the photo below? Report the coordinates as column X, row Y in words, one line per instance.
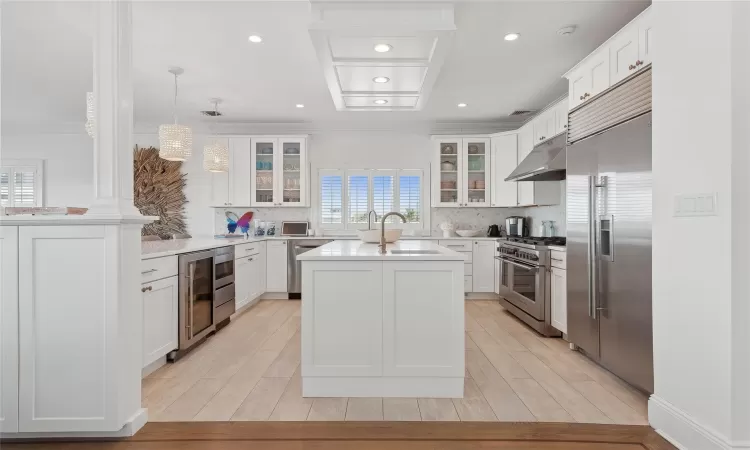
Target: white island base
column 382, row 325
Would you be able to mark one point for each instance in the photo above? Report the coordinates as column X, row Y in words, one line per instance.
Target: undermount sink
column 414, row 252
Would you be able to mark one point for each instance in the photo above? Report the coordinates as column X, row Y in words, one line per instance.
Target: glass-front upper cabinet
column 264, row 178
column 476, row 172
column 293, row 182
column 462, row 173
column 279, row 171
column 448, row 170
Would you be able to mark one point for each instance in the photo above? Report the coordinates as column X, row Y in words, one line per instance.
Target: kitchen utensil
column 493, row 231
column 447, row 166
column 468, row 233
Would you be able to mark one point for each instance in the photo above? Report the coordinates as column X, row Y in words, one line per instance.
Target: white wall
column 69, row 164
column 699, row 345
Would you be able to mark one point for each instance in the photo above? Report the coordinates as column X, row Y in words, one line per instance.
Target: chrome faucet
column 382, row 229
column 369, row 218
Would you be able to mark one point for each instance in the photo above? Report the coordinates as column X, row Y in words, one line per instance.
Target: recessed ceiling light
column 300, row 105
column 255, row 39
column 462, row 105
column 380, row 102
column 382, row 48
column 381, row 79
column 512, row 36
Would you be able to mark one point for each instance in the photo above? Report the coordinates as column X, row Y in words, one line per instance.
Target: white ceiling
column 46, row 60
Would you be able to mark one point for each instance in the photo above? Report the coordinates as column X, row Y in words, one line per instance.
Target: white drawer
column 249, row 249
column 457, row 245
column 469, row 257
column 557, row 259
column 158, row 268
column 468, row 283
column 468, row 270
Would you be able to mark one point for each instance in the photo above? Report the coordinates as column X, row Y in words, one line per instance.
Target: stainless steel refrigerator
column 609, row 184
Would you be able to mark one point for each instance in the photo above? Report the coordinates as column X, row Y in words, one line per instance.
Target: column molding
column 113, row 100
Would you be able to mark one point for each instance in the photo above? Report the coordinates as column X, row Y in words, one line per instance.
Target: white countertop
column 355, row 250
column 158, row 249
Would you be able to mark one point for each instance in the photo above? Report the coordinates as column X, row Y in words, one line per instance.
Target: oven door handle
column 524, row 266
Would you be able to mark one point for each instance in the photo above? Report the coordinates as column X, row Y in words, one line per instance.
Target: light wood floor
column 251, row 371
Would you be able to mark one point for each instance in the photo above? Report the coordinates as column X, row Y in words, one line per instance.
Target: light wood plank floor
column 251, row 371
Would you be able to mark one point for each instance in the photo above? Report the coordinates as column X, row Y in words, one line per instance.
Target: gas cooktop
column 557, row 240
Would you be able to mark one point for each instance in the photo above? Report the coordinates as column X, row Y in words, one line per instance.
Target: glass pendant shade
column 90, row 120
column 175, row 142
column 216, row 157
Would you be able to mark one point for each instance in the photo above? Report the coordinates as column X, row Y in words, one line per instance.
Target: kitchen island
column 382, row 325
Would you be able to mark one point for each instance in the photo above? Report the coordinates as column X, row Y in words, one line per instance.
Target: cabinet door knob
column 638, row 63
column 147, row 288
column 249, row 259
column 631, row 67
column 565, row 126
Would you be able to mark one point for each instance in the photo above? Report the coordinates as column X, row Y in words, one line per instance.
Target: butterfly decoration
column 243, row 222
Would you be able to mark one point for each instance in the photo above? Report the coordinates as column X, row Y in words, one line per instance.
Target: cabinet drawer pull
column 638, row 63
column 631, row 67
column 249, row 249
column 148, row 271
column 147, row 288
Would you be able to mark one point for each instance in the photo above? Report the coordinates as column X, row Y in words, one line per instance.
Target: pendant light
column 90, row 119
column 175, row 141
column 216, row 154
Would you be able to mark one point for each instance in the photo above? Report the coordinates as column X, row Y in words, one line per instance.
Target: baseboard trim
column 684, row 432
column 480, row 296
column 131, row 427
column 153, row 367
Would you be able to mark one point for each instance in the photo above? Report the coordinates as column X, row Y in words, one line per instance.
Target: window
column 347, row 196
column 21, row 183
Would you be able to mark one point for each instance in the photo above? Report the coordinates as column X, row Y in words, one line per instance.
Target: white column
column 113, row 100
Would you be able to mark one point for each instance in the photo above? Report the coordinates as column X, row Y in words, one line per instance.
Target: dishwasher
column 294, row 267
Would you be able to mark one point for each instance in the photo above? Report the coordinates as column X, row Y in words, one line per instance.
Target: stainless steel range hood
column 546, row 162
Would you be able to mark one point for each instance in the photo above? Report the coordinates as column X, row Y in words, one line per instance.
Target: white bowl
column 468, row 233
column 373, row 236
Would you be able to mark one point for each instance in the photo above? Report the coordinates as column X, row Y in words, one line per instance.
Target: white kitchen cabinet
column 276, row 266
column 483, row 266
column 279, row 171
column 645, row 37
column 257, row 267
column 342, row 338
column 504, row 160
column 243, row 281
column 561, row 116
column 160, row 318
column 591, row 78
column 625, row 53
column 461, row 172
column 414, row 345
column 558, row 295
column 232, row 188
column 544, row 126
column 8, row 329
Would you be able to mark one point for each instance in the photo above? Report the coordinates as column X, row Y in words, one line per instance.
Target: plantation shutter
column 4, row 187
column 331, row 195
column 24, row 187
column 383, row 194
column 410, row 197
column 358, row 187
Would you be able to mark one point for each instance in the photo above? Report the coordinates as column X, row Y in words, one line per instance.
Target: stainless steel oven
column 524, row 282
column 224, row 288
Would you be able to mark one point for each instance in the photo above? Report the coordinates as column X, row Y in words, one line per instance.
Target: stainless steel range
column 524, row 280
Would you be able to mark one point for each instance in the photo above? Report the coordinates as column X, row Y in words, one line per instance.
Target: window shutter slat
column 410, row 198
column 23, row 187
column 330, row 199
column 5, row 188
column 382, row 196
column 358, row 188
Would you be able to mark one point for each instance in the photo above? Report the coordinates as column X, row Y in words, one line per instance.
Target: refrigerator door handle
column 591, row 248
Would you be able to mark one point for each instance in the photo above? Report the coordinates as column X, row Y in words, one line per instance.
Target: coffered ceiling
column 383, row 57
